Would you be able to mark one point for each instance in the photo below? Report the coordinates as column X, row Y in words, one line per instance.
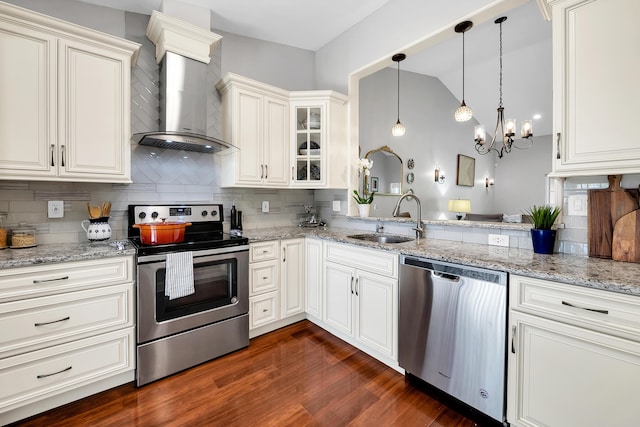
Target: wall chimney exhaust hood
column 183, row 51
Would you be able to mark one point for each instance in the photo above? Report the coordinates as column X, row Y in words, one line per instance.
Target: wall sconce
column 459, row 206
column 488, row 182
column 439, row 176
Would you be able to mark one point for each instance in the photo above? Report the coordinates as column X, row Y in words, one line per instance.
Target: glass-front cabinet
column 309, row 145
column 319, row 140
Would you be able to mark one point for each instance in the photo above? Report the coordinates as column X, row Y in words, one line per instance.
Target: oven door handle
column 196, row 254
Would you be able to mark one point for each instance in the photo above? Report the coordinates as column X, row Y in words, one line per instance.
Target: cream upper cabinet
column 573, row 355
column 319, row 156
column 255, row 119
column 595, row 65
column 65, row 105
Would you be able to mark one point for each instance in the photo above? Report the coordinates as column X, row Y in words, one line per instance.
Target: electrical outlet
column 498, row 240
column 55, row 209
column 336, row 205
column 265, row 206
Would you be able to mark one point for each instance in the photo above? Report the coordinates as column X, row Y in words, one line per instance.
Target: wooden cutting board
column 606, row 207
column 626, row 238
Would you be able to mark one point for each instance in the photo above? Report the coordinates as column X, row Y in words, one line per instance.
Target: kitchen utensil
column 162, row 232
column 626, row 238
column 94, row 211
column 606, row 207
column 97, row 229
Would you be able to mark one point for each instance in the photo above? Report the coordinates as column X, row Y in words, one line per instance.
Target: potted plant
column 364, row 201
column 542, row 236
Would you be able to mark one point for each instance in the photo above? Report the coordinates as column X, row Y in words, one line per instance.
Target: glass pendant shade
column 463, row 113
column 398, row 129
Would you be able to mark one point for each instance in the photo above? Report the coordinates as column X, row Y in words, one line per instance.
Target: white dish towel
column 178, row 281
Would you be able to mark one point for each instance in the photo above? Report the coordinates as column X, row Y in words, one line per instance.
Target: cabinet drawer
column 371, row 260
column 263, row 277
column 264, row 251
column 27, row 282
column 263, row 309
column 595, row 309
column 34, row 323
column 58, row 369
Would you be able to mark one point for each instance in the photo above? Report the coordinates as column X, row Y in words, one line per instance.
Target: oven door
column 221, row 282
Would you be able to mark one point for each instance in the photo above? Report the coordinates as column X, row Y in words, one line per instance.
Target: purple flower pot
column 543, row 240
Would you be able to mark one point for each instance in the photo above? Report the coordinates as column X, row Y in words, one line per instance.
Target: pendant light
column 463, row 113
column 507, row 128
column 398, row 129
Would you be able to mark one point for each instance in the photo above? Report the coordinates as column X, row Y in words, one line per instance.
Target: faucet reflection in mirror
column 506, row 128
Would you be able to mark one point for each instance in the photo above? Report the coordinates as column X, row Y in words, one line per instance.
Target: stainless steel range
column 192, row 296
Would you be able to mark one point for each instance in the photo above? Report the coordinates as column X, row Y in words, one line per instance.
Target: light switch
column 336, row 205
column 577, row 205
column 265, row 206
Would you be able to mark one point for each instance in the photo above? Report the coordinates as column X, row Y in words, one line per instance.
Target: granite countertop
column 595, row 273
column 62, row 252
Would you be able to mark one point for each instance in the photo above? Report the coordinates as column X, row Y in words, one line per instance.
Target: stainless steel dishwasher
column 452, row 330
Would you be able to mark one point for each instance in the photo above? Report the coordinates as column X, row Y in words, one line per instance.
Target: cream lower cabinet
column 61, row 125
column 313, row 280
column 360, row 299
column 276, row 284
column 574, row 356
column 67, row 332
column 594, row 100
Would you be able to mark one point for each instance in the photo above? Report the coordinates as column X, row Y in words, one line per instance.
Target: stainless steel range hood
column 183, row 87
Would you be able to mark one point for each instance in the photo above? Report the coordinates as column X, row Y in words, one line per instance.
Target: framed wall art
column 466, row 171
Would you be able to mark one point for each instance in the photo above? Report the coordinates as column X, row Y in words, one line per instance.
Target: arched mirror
column 386, row 174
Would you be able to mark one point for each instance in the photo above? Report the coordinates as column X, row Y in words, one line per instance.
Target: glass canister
column 4, row 233
column 23, row 236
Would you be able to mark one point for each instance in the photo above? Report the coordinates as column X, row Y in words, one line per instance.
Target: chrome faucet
column 396, row 211
column 379, row 226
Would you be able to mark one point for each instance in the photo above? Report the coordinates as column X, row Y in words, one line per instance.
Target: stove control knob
column 204, row 213
column 154, row 215
column 142, row 215
column 214, row 213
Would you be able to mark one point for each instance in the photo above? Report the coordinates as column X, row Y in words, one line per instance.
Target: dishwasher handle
column 449, row 270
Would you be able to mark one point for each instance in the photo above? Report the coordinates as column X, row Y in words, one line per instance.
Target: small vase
column 543, row 241
column 364, row 210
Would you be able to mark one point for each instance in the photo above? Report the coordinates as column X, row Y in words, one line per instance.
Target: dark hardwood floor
column 297, row 376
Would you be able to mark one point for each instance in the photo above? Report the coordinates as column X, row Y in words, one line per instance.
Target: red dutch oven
column 160, row 233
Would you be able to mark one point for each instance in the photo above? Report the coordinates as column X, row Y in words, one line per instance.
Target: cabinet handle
column 293, row 173
column 62, row 154
column 266, row 171
column 264, row 277
column 51, row 280
column 513, row 339
column 558, row 146
column 261, row 171
column 357, row 281
column 55, row 373
column 264, row 310
column 351, row 285
column 596, row 310
column 53, row 150
column 284, row 254
column 53, row 321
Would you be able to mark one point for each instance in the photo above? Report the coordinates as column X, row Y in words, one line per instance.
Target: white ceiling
column 299, row 23
column 312, row 24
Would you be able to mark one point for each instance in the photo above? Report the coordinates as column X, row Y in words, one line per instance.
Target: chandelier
column 506, row 128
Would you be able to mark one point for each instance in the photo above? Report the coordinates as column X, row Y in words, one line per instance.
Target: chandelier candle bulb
column 527, row 129
column 510, row 127
column 481, row 134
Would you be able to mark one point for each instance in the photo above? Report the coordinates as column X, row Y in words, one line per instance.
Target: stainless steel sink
column 381, row 238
